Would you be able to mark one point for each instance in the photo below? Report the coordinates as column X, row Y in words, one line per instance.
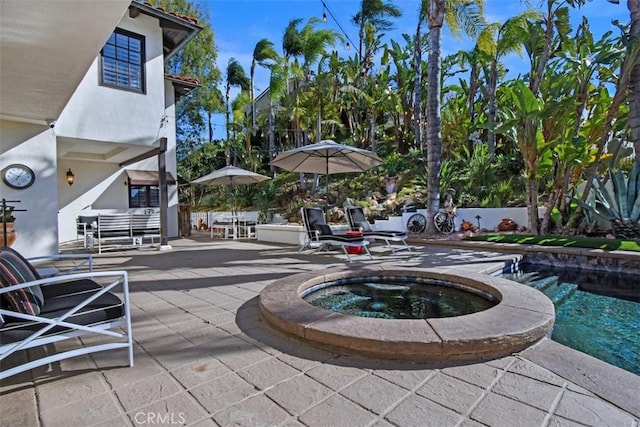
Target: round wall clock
column 18, row 176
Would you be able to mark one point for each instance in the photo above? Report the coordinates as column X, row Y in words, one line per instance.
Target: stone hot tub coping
column 522, row 317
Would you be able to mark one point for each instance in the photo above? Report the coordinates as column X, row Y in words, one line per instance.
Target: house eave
column 176, row 31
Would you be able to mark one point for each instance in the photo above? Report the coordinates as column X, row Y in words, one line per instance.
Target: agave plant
column 622, row 207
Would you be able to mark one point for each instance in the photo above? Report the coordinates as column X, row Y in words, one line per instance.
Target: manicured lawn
column 573, row 242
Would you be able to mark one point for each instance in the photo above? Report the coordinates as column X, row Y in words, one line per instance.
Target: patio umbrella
column 327, row 157
column 230, row 175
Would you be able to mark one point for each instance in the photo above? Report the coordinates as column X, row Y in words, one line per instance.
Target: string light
column 325, row 7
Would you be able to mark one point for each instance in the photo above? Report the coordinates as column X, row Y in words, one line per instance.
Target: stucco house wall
column 98, row 130
column 33, row 146
column 104, row 114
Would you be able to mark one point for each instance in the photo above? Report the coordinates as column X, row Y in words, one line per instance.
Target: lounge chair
column 320, row 236
column 357, row 221
column 38, row 312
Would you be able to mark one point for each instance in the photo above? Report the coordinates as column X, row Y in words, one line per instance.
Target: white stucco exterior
column 33, row 146
column 99, row 129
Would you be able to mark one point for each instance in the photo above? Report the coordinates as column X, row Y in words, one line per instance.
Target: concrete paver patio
column 203, row 357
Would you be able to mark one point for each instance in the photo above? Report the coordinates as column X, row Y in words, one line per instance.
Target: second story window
column 122, row 61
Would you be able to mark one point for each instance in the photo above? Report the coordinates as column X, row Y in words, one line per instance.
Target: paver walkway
column 203, row 357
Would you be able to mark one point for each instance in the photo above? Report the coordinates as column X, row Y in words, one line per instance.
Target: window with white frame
column 122, row 61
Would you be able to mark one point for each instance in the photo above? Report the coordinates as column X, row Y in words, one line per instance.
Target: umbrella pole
column 326, row 191
column 234, row 215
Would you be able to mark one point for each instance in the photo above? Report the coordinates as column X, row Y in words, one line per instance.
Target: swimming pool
column 597, row 312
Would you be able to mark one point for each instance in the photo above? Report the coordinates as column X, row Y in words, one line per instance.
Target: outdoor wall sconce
column 70, row 177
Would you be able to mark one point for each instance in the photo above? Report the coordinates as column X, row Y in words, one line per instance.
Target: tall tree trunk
column 491, row 115
column 253, row 97
column 272, row 138
column 372, row 130
column 228, row 122
column 531, row 185
column 319, row 124
column 417, row 99
column 434, row 136
column 546, row 51
column 210, row 125
column 474, row 84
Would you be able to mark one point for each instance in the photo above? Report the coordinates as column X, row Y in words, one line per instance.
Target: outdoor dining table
column 233, row 226
column 227, row 225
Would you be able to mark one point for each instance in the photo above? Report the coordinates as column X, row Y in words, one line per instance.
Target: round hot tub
column 423, row 315
column 398, row 297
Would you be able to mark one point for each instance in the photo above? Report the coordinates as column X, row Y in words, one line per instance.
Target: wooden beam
column 151, row 153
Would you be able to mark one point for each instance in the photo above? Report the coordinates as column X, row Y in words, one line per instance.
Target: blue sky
column 239, row 24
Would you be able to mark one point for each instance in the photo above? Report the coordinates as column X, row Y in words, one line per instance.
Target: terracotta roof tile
column 190, row 19
column 191, row 80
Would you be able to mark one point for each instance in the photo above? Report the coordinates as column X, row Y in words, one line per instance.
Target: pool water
column 398, row 299
column 597, row 313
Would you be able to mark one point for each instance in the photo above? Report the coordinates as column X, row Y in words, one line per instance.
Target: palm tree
column 457, row 13
column 236, row 77
column 263, row 54
column 277, row 88
column 314, row 44
column 373, row 15
column 497, row 40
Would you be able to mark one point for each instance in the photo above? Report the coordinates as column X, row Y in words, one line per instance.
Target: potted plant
column 7, row 218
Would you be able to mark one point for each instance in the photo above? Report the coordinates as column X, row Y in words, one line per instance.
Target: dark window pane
column 122, row 40
column 109, row 51
column 123, row 61
column 154, row 193
column 122, row 54
column 109, row 65
column 135, row 72
column 109, row 78
column 144, row 196
column 135, row 58
column 123, row 81
column 123, row 67
column 135, row 45
column 137, row 196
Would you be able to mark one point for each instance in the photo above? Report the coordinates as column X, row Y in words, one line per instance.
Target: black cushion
column 69, row 288
column 341, row 238
column 323, row 229
column 87, row 219
column 104, row 308
column 384, row 233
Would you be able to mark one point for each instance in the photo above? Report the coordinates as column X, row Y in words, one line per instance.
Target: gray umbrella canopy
column 230, row 175
column 327, row 157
